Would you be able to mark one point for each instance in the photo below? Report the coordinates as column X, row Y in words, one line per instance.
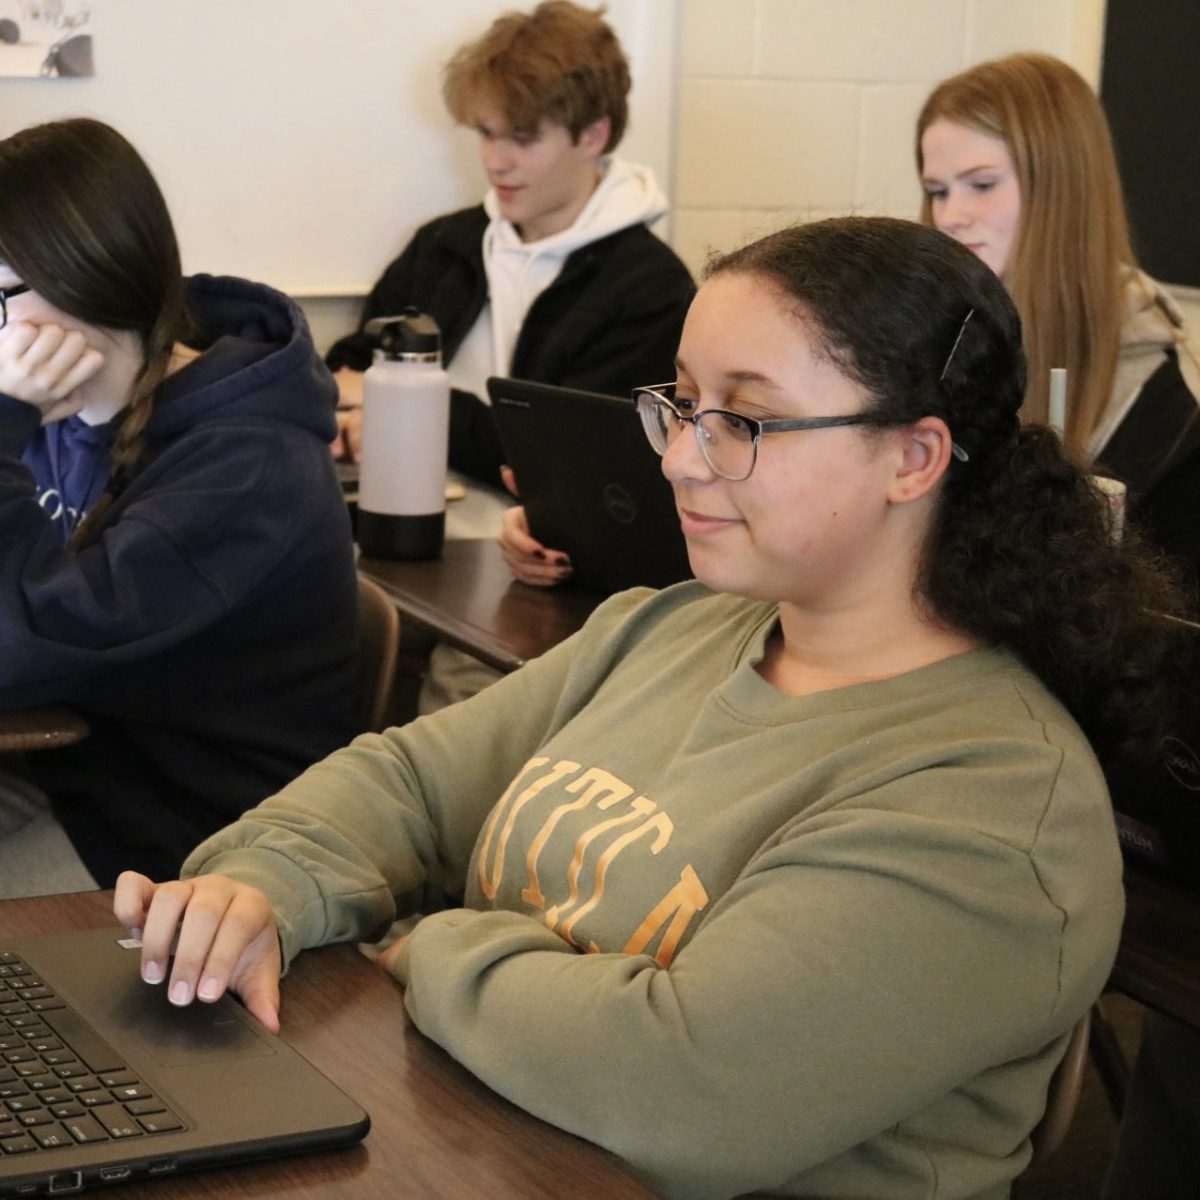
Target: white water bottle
column 406, row 427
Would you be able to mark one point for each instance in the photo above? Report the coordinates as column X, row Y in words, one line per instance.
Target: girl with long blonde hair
column 1016, row 161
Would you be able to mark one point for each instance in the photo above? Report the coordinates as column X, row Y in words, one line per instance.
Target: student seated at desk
column 1017, row 163
column 175, row 554
column 556, row 277
column 1016, row 160
column 794, row 878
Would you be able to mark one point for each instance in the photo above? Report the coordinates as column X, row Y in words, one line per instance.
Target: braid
column 127, row 448
column 129, row 444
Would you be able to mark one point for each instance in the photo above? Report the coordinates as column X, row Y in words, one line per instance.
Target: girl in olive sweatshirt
column 793, row 880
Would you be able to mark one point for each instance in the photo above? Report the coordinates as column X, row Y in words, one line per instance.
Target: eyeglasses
column 6, row 294
column 727, row 440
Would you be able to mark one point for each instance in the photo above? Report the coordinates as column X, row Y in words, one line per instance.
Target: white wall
column 800, row 109
column 300, row 142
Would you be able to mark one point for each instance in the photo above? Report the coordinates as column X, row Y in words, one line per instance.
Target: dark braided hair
column 1021, row 551
column 82, row 221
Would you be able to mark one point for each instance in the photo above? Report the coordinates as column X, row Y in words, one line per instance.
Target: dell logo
column 619, row 504
column 1182, row 763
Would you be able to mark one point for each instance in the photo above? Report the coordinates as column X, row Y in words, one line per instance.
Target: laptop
column 1158, row 803
column 102, row 1080
column 591, row 484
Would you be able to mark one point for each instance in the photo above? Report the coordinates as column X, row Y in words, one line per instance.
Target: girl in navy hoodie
column 175, row 553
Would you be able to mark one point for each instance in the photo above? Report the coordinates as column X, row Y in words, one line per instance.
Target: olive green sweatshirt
column 753, row 943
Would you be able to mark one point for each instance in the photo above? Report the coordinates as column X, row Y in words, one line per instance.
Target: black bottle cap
column 411, row 333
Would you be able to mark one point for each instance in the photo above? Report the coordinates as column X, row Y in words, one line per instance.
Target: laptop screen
column 591, row 484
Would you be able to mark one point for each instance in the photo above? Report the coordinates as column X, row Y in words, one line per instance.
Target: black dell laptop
column 103, row 1080
column 591, row 484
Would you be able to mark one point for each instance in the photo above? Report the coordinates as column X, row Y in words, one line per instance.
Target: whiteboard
column 300, row 142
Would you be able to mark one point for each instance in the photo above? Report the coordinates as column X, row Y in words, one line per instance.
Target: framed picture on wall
column 46, row 39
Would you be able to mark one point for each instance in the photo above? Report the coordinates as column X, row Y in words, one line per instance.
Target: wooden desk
column 437, row 1132
column 469, row 599
column 1158, row 961
column 26, row 729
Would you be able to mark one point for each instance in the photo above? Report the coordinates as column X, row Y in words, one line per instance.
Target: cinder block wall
column 800, row 109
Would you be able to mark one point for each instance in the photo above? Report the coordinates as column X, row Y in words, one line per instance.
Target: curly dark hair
column 1021, row 551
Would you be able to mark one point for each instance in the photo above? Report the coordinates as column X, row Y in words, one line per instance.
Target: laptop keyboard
column 60, row 1084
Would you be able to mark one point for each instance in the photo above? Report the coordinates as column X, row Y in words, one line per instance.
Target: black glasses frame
column 17, row 289
column 663, row 394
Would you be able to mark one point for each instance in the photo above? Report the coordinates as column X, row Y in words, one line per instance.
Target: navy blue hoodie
column 208, row 631
column 71, row 462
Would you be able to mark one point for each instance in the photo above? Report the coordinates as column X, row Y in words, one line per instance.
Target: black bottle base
column 383, row 535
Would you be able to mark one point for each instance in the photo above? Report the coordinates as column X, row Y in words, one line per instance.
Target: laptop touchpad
column 177, row 1037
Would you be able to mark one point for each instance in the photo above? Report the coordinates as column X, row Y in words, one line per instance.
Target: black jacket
column 609, row 322
column 1156, row 452
column 208, row 632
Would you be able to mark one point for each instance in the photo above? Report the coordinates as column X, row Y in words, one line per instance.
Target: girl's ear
column 925, row 453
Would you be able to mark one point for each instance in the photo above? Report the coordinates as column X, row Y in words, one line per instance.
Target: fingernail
column 181, row 993
column 209, row 989
column 562, row 561
column 152, row 972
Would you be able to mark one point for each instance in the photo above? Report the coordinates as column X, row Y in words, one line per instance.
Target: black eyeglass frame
column 657, row 393
column 6, row 294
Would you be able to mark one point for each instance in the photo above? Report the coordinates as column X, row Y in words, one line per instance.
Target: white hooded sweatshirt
column 518, row 272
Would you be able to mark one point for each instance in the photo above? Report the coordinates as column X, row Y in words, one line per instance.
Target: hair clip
column 959, row 452
column 950, row 357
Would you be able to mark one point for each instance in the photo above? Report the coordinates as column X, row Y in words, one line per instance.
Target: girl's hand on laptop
column 527, row 558
column 44, row 365
column 225, row 937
